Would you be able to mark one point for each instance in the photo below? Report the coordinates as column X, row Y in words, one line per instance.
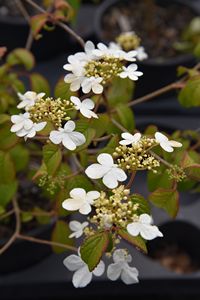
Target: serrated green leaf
column 167, row 199
column 126, row 117
column 39, row 84
column 144, row 207
column 61, row 234
column 52, row 158
column 21, row 56
column 93, row 248
column 136, row 241
column 189, row 96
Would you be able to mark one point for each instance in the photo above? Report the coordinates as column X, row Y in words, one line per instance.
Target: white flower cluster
column 23, row 126
column 77, row 66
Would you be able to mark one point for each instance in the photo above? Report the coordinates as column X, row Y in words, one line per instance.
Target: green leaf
column 7, row 192
column 62, row 90
column 110, row 147
column 21, row 56
column 167, row 199
column 52, row 157
column 126, row 117
column 42, row 219
column 197, row 50
column 80, row 181
column 4, row 118
column 120, row 91
column 7, row 168
column 37, row 22
column 189, row 96
column 89, row 134
column 20, row 157
column 136, row 241
column 144, row 207
column 160, row 179
column 39, row 84
column 191, row 168
column 7, row 138
column 93, row 248
column 97, row 124
column 61, row 234
column 26, row 216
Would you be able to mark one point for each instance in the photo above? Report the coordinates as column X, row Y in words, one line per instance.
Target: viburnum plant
column 82, row 148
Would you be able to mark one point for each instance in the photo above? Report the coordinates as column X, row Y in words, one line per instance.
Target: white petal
column 149, row 232
column 75, row 225
column 28, row 124
column 88, row 103
column 133, row 228
column 96, row 171
column 89, row 46
column 16, row 127
column 68, row 142
column 120, row 174
column 166, row 146
column 16, row 118
column 99, row 270
column 76, row 101
column 78, row 193
column 114, row 271
column 175, row 144
column 21, row 132
column 110, row 180
column 160, row 137
column 73, row 262
column 85, row 209
column 56, row 137
column 31, row 133
column 82, row 277
column 132, row 67
column 92, row 195
column 123, row 74
column 40, row 126
column 97, row 88
column 78, row 138
column 129, row 275
column 69, row 126
column 72, row 204
column 105, row 159
column 145, row 218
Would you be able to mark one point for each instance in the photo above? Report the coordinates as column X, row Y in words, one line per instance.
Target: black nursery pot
column 14, row 33
column 23, row 254
column 157, row 73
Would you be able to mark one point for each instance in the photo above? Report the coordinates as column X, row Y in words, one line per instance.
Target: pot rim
column 34, row 232
column 177, row 60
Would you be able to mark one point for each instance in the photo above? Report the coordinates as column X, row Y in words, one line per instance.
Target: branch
column 17, row 227
column 118, row 125
column 129, row 184
column 45, row 242
column 59, row 23
column 7, row 214
column 161, row 159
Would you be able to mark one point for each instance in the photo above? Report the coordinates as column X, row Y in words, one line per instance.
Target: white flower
column 80, row 200
column 129, row 138
column 24, row 127
column 77, row 228
column 75, row 81
column 165, row 143
column 107, row 170
column 144, row 227
column 85, row 107
column 28, row 99
column 114, row 51
column 74, row 66
column 141, row 54
column 92, row 84
column 67, row 136
column 131, row 72
column 121, row 268
column 82, row 276
column 88, row 54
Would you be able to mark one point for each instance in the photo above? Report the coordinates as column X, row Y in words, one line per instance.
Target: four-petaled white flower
column 129, row 138
column 67, row 136
column 85, row 107
column 80, row 200
column 88, row 54
column 121, row 268
column 24, row 127
column 82, row 276
column 141, row 54
column 131, row 72
column 28, row 99
column 107, row 170
column 165, row 143
column 92, row 84
column 144, row 227
column 77, row 228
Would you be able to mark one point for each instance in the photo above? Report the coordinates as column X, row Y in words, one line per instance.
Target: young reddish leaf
column 166, row 199
column 93, row 248
column 37, row 23
column 136, row 241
